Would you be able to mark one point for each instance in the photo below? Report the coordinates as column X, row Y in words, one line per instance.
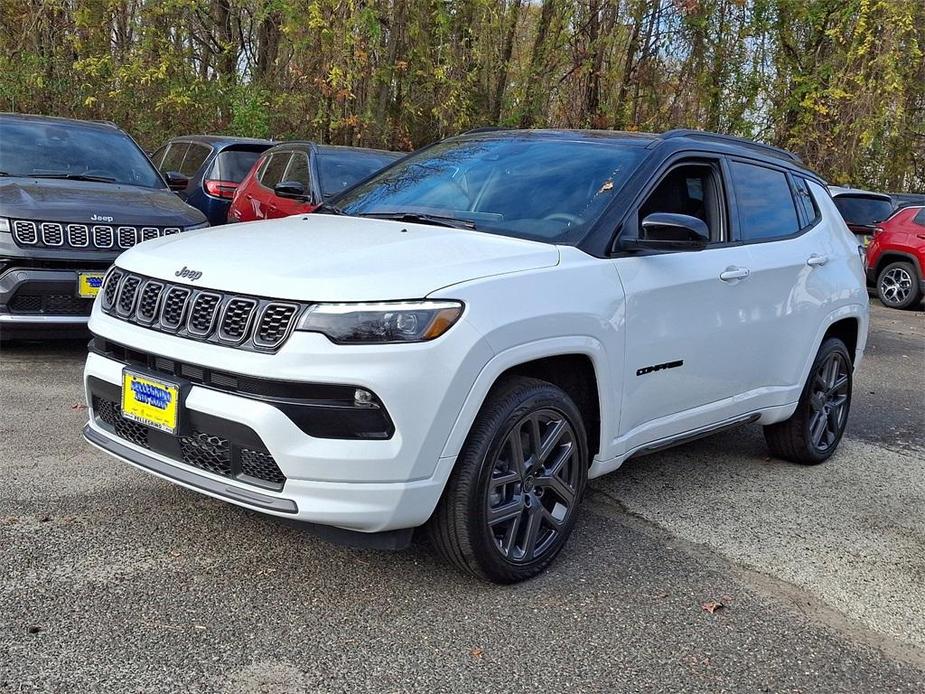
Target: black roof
column 677, row 139
column 330, row 149
column 220, row 141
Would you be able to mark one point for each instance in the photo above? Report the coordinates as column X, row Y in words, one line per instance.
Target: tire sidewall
column 828, row 347
column 492, row 562
column 914, row 295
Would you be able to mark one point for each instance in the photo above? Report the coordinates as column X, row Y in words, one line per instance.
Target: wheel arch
column 577, row 364
column 848, row 323
column 894, row 256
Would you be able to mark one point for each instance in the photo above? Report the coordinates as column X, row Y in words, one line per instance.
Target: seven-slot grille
column 28, row 232
column 245, row 322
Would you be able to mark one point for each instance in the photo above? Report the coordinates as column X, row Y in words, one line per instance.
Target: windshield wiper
column 327, row 208
column 76, row 177
column 422, row 218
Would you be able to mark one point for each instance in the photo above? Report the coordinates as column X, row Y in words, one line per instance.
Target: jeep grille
column 42, row 234
column 245, row 322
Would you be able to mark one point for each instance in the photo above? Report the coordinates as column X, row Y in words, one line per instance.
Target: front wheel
column 511, row 502
column 898, row 285
column 813, row 432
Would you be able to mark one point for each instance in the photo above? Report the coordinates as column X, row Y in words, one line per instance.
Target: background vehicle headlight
column 399, row 321
column 5, row 224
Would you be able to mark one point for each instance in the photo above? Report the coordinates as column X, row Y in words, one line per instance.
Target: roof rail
column 778, row 152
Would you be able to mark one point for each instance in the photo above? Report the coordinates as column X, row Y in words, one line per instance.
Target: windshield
column 863, row 209
column 53, row 150
column 528, row 187
column 339, row 171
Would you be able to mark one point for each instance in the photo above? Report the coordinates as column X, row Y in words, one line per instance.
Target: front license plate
column 150, row 401
column 89, row 283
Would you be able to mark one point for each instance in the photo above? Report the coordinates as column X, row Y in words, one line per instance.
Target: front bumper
column 42, row 302
column 366, row 485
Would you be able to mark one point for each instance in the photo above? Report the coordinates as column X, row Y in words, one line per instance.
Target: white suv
column 465, row 339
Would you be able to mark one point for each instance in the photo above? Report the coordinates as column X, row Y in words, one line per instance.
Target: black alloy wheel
column 813, row 432
column 512, row 499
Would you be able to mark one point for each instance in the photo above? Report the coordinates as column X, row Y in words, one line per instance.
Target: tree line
column 841, row 82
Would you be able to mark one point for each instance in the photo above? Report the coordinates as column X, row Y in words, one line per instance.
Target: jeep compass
column 461, row 342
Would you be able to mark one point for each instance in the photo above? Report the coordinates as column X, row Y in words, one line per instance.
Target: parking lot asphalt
column 112, row 580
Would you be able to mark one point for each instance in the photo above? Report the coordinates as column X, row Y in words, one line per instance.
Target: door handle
column 817, row 260
column 921, row 236
column 733, row 273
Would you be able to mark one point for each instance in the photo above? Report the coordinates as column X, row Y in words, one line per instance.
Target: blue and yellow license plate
column 89, row 283
column 150, row 401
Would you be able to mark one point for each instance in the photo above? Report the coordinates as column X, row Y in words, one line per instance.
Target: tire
column 813, row 432
column 501, row 494
column 898, row 285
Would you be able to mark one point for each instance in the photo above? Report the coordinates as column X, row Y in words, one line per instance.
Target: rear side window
column 805, row 202
column 195, row 157
column 234, row 164
column 920, row 218
column 274, row 169
column 173, row 157
column 765, row 202
column 863, row 210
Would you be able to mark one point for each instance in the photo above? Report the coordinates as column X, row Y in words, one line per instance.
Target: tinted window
column 274, row 169
column 690, row 189
column 518, row 185
column 863, row 209
column 805, row 201
column 233, row 164
column 920, row 217
column 765, row 203
column 298, row 169
column 195, row 157
column 29, row 148
column 338, row 171
column 173, row 158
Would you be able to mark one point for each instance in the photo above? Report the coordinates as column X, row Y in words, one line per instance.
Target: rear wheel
column 812, row 434
column 511, row 502
column 898, row 285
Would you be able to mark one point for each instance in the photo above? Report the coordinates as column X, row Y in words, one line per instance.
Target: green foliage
column 842, row 82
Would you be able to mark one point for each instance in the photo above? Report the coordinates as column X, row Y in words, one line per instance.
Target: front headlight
column 386, row 322
column 5, row 224
column 203, row 225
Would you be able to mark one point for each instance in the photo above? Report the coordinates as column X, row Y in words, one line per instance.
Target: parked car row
column 75, row 194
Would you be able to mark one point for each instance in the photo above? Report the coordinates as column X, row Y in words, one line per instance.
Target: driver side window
column 689, row 189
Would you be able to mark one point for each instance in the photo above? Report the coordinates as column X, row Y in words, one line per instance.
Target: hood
column 87, row 202
column 320, row 257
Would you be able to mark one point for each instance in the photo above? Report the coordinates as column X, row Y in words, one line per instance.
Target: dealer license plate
column 150, row 401
column 89, row 283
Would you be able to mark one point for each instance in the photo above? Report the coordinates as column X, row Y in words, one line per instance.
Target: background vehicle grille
column 244, row 322
column 200, row 449
column 24, row 303
column 28, row 232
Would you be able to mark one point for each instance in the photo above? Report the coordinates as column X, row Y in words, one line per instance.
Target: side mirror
column 667, row 231
column 176, row 181
column 293, row 190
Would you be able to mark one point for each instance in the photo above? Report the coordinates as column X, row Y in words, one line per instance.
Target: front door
column 687, row 317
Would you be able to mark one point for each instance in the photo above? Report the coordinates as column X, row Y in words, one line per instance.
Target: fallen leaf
column 712, row 606
column 608, row 185
column 476, row 652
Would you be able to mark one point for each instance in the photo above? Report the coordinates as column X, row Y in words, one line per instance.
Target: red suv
column 296, row 177
column 896, row 258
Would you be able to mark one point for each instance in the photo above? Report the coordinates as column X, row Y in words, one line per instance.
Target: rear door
column 689, row 347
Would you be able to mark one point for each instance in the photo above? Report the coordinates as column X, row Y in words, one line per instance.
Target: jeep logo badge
column 193, row 275
column 99, row 218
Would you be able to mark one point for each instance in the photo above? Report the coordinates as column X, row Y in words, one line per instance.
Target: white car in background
column 464, row 340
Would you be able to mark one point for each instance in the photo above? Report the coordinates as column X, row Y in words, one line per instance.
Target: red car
column 296, row 177
column 896, row 258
